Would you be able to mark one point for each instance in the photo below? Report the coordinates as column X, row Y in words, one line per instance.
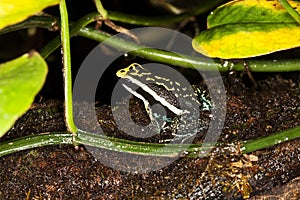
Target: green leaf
column 20, row 80
column 248, row 28
column 251, row 11
column 14, row 11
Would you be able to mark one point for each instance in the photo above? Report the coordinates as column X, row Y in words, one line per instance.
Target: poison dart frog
column 180, row 101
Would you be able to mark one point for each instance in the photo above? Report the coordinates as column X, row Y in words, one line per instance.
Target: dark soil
column 66, row 172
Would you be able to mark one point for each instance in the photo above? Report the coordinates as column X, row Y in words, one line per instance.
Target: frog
column 182, row 104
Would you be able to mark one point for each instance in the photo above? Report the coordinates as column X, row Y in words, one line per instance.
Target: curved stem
column 141, row 148
column 79, row 28
column 146, row 20
column 75, row 27
column 101, row 9
column 200, row 63
column 47, row 22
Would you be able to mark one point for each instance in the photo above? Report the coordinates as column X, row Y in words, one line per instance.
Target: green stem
column 75, row 27
column 163, row 20
column 141, row 148
column 101, row 9
column 146, row 20
column 293, row 13
column 46, row 22
column 274, row 139
column 254, row 65
column 65, row 40
column 285, row 65
column 200, row 63
column 33, row 141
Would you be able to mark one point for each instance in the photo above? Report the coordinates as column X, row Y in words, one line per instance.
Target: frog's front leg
column 147, row 107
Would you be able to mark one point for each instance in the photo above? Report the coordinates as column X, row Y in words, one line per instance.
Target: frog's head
column 150, row 84
column 134, row 70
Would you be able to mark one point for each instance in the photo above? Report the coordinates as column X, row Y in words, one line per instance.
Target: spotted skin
column 182, row 103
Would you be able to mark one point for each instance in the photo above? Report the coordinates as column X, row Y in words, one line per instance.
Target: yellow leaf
column 248, row 28
column 14, row 11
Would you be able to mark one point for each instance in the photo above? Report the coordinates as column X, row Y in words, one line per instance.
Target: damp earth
column 66, row 172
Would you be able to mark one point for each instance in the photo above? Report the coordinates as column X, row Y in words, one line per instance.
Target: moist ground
column 63, row 172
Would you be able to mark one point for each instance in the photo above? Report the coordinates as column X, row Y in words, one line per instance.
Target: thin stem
column 146, row 20
column 200, row 63
column 255, row 65
column 285, row 65
column 65, row 40
column 293, row 13
column 141, row 148
column 101, row 9
column 33, row 141
column 271, row 140
column 42, row 21
column 75, row 27
column 47, row 22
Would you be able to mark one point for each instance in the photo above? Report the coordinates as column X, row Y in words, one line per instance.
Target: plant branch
column 101, row 9
column 141, row 148
column 200, row 63
column 47, row 22
column 271, row 140
column 34, row 141
column 65, row 40
column 255, row 65
column 75, row 27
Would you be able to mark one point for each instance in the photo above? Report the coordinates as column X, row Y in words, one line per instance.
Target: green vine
column 79, row 28
column 101, row 9
column 127, row 146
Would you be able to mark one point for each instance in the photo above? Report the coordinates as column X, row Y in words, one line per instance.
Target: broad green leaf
column 14, row 11
column 247, row 40
column 251, row 11
column 20, row 80
column 248, row 28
